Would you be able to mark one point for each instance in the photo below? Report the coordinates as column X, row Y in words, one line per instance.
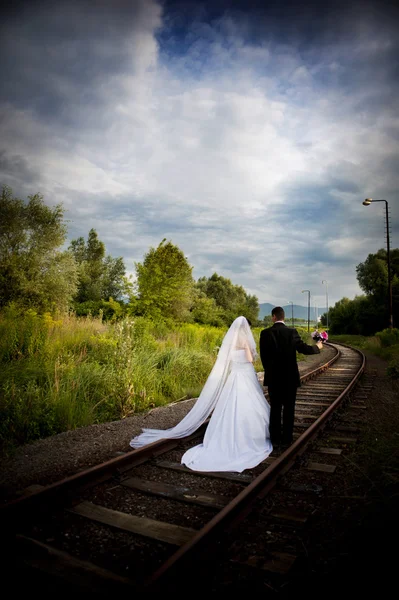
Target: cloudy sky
column 247, row 133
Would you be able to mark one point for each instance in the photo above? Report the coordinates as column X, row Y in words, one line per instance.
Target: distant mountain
column 265, row 309
column 300, row 312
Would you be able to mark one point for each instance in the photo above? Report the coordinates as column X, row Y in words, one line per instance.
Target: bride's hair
column 241, row 339
column 242, row 335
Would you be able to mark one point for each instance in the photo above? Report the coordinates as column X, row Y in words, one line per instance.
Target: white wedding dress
column 237, row 436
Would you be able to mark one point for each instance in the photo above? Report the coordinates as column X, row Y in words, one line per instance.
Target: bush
column 108, row 310
column 393, row 368
column 388, row 337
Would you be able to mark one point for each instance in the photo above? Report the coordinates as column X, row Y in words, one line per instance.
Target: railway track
column 144, row 522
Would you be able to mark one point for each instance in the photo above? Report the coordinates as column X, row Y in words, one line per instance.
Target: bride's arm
column 248, row 353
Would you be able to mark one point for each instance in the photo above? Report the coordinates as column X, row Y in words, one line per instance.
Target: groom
column 278, row 346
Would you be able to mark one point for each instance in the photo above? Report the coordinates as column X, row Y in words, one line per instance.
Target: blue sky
column 247, row 133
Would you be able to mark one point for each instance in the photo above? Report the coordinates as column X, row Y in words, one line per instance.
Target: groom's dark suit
column 278, row 346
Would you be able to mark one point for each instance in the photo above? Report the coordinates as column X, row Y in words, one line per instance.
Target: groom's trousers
column 282, row 397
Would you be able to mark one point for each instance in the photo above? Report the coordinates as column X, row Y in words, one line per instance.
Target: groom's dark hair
column 279, row 313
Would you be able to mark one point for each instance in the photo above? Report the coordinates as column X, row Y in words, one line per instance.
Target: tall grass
column 61, row 373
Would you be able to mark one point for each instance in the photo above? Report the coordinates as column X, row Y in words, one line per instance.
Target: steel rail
column 60, row 492
column 166, row 574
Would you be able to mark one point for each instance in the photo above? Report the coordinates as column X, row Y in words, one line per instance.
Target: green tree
column 250, row 310
column 100, row 277
column 267, row 321
column 368, row 314
column 33, row 271
column 231, row 299
column 115, row 283
column 165, row 283
column 372, row 276
column 362, row 316
column 205, row 310
column 342, row 317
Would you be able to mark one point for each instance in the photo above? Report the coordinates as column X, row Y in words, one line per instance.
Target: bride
column 237, row 436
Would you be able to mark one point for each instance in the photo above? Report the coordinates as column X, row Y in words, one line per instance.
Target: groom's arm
column 303, row 348
column 263, row 348
column 265, row 357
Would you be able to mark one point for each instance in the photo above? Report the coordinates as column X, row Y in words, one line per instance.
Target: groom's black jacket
column 278, row 346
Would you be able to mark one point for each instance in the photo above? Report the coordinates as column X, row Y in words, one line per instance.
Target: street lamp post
column 308, row 291
column 292, row 311
column 325, row 281
column 367, row 202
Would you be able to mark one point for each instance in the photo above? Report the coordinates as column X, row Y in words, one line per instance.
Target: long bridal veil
column 238, row 336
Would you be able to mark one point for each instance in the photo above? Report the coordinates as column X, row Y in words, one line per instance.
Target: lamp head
column 367, row 202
